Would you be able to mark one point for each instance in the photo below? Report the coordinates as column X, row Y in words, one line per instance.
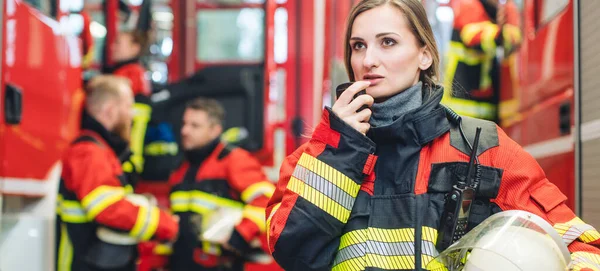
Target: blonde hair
column 415, row 14
column 103, row 88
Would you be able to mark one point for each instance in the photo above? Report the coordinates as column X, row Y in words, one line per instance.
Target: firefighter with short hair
column 99, row 220
column 216, row 176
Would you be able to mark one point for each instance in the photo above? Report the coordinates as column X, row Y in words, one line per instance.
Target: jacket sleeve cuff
column 167, row 227
column 351, row 136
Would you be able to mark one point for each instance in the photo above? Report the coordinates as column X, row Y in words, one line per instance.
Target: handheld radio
column 455, row 217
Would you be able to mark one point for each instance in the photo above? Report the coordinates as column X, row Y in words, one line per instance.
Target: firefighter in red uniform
column 93, row 194
column 471, row 77
column 368, row 191
column 215, row 176
column 126, row 53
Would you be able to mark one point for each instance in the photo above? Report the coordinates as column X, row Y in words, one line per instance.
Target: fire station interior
column 273, row 65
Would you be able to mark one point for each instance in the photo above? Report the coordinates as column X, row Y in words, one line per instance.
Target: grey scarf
column 388, row 111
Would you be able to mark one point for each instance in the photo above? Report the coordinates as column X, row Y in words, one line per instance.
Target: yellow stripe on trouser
column 577, row 229
column 100, row 198
column 256, row 190
column 65, row 250
column 138, row 134
column 384, row 248
column 256, row 215
column 581, row 260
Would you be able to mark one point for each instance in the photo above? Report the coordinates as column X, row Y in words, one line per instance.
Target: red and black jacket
column 345, row 201
column 213, row 176
column 134, row 71
column 92, row 192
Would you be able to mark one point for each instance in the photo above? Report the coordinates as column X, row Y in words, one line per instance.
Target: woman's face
column 385, row 52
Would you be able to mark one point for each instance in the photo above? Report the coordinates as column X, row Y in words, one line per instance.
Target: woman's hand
column 345, row 108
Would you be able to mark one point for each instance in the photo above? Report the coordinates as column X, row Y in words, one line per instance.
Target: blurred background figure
column 484, row 31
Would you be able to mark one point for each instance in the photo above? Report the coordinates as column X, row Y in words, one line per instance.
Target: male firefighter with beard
column 214, row 177
column 99, row 223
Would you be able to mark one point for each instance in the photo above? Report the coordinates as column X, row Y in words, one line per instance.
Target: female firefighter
column 368, row 190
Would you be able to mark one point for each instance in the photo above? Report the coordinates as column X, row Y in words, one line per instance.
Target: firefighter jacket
column 345, row 201
column 218, row 176
column 91, row 194
column 472, row 72
column 134, row 71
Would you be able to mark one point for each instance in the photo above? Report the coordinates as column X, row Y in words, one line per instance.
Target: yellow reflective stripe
column 146, row 223
column 390, row 262
column 471, row 108
column 353, row 238
column 319, row 199
column 391, row 235
column 384, row 248
column 138, row 133
column 161, row 148
column 429, row 234
column 488, row 38
column 469, row 31
column 329, row 173
column 356, row 264
column 576, row 228
column 128, row 189
column 469, row 56
column 200, row 202
column 258, row 189
column 211, row 249
column 212, row 201
column 152, row 224
column 162, row 249
column 100, row 198
column 581, row 260
column 65, row 250
column 432, row 264
column 256, row 215
column 70, row 211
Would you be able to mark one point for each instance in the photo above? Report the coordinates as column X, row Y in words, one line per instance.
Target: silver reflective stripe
column 350, row 252
column 100, row 199
column 428, row 248
column 391, row 249
column 204, row 203
column 574, row 232
column 324, row 186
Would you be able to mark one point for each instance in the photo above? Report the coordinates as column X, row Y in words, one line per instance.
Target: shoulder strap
column 488, row 139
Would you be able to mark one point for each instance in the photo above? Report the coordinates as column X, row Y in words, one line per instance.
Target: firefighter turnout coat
column 345, row 201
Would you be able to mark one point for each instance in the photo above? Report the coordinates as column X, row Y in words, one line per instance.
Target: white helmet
column 507, row 241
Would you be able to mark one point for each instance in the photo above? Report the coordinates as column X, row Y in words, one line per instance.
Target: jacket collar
column 418, row 126
column 198, row 155
column 115, row 142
